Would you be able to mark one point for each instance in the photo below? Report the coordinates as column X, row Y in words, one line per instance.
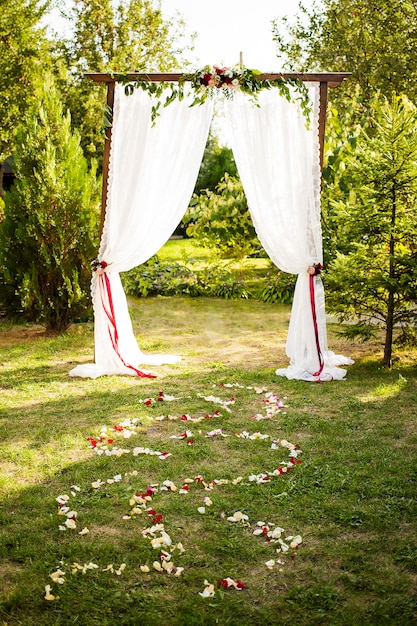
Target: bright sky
column 227, row 27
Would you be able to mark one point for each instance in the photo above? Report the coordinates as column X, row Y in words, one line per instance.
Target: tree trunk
column 1, row 180
column 389, row 330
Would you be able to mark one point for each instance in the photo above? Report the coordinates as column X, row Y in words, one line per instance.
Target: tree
column 123, row 36
column 120, row 37
column 342, row 131
column 49, row 232
column 23, row 53
column 373, row 39
column 217, row 161
column 221, row 220
column 374, row 280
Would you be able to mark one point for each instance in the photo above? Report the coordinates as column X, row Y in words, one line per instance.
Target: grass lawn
column 133, row 519
column 175, row 249
column 188, row 251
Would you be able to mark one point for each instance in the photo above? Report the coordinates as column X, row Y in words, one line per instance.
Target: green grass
column 352, row 499
column 184, row 249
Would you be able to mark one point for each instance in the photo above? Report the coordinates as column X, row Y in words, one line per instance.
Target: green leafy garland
column 211, row 80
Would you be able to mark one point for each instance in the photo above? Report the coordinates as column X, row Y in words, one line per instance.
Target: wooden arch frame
column 326, row 80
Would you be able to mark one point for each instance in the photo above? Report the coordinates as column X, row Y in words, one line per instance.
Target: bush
column 278, row 287
column 173, row 279
column 155, row 278
column 220, row 220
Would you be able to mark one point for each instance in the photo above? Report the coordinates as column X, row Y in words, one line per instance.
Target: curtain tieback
column 317, row 269
column 105, row 288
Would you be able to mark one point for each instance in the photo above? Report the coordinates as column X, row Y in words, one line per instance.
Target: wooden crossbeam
column 327, row 80
column 332, row 78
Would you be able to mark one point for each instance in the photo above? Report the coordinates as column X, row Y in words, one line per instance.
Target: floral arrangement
column 98, row 266
column 217, row 77
column 213, row 79
column 315, row 270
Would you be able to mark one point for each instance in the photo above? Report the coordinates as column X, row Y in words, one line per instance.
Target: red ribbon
column 316, row 329
column 104, row 283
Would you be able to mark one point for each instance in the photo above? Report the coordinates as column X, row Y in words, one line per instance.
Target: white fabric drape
column 152, row 173
column 277, row 157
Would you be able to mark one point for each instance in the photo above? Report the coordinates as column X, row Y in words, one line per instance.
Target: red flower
column 110, row 441
column 158, row 518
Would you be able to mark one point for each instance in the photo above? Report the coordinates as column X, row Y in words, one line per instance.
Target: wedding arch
column 149, row 173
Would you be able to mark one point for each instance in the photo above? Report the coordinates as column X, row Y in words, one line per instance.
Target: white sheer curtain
column 152, row 174
column 277, row 157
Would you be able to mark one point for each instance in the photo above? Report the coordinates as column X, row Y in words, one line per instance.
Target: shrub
column 220, row 220
column 278, row 287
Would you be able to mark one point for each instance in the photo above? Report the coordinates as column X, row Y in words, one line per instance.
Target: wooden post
column 106, row 154
column 322, row 119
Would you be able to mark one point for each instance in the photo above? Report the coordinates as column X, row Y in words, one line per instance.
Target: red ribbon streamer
column 114, row 338
column 316, row 329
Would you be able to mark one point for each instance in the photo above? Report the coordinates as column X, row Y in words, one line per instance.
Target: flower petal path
column 142, row 503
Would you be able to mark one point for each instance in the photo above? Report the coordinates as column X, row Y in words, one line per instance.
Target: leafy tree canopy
column 120, row 37
column 373, row 39
column 23, row 48
column 123, row 36
column 220, row 220
column 217, row 161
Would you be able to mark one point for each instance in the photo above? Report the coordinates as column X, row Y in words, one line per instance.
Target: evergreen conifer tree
column 48, row 236
column 372, row 281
